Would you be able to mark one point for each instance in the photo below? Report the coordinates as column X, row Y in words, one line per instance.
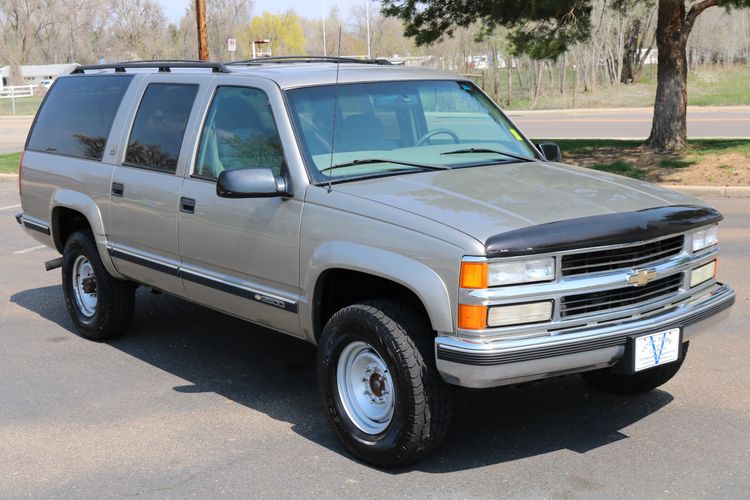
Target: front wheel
column 100, row 306
column 608, row 380
column 379, row 383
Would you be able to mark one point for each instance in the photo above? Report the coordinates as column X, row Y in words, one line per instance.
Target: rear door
column 146, row 186
column 241, row 256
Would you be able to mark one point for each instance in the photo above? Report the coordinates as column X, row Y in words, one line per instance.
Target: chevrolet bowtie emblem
column 641, row 277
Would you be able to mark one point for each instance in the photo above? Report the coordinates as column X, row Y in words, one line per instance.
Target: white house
column 34, row 74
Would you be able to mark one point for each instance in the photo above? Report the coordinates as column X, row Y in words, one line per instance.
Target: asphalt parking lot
column 193, row 403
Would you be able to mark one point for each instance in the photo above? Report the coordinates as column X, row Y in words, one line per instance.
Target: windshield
column 419, row 125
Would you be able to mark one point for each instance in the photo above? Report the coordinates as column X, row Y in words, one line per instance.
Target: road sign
column 232, row 44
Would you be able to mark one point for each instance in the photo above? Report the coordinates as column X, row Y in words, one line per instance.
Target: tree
column 284, row 30
column 225, row 19
column 136, row 29
column 545, row 29
column 386, row 33
column 673, row 27
column 640, row 15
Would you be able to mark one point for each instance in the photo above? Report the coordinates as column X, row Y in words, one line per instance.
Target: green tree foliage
column 284, row 30
column 542, row 29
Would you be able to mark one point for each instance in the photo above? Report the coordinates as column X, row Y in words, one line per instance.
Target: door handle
column 187, row 205
column 118, row 189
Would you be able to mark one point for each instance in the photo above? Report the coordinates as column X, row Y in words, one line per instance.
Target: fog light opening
column 702, row 274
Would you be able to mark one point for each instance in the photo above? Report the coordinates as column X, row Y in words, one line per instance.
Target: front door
column 146, row 186
column 240, row 255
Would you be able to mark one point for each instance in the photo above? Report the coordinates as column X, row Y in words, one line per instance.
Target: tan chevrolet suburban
column 393, row 216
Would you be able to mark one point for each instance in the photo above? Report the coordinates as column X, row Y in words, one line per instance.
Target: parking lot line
column 10, row 206
column 27, row 250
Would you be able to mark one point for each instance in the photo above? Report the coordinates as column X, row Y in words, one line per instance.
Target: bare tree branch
column 693, row 14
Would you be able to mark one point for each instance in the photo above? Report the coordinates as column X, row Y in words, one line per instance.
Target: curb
column 711, row 191
column 8, row 177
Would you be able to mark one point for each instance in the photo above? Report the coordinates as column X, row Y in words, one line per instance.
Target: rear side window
column 159, row 126
column 77, row 116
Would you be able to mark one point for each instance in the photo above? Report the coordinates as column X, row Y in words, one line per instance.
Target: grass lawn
column 9, row 163
column 724, row 162
column 24, row 106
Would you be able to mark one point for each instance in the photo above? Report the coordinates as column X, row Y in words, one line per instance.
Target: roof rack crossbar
column 309, row 59
column 164, row 66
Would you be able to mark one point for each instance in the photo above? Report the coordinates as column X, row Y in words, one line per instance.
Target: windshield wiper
column 487, row 150
column 368, row 161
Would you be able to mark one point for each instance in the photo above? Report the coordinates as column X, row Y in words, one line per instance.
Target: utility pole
column 325, row 49
column 367, row 10
column 200, row 14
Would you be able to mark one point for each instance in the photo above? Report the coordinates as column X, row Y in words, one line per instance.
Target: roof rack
column 309, row 59
column 164, row 66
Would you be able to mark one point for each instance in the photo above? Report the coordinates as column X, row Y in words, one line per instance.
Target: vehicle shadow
column 275, row 374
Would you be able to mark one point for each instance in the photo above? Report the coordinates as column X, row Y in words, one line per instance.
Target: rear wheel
column 378, row 379
column 100, row 306
column 609, row 380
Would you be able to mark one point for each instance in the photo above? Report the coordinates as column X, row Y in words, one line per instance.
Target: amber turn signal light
column 472, row 317
column 473, row 275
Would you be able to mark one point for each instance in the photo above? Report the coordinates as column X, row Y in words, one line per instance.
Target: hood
column 489, row 200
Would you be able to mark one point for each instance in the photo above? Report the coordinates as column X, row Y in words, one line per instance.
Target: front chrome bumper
column 477, row 365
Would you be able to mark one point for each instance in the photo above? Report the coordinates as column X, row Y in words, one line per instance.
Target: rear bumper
column 510, row 361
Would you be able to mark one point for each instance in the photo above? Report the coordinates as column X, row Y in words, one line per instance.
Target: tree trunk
column 669, row 127
column 630, row 51
column 518, row 73
column 15, row 78
column 509, row 74
column 563, row 65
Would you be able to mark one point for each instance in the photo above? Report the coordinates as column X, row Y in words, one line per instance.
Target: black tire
column 422, row 402
column 115, row 299
column 617, row 383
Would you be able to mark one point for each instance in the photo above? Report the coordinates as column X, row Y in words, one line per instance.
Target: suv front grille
column 586, row 303
column 621, row 258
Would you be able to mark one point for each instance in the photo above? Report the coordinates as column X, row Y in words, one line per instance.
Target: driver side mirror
column 550, row 150
column 252, row 183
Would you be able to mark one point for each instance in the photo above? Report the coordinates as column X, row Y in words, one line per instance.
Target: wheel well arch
column 338, row 288
column 66, row 221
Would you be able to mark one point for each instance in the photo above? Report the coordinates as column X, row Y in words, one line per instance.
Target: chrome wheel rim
column 365, row 387
column 84, row 286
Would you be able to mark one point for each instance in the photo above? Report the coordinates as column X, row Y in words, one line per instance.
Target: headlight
column 705, row 238
column 521, row 271
column 479, row 274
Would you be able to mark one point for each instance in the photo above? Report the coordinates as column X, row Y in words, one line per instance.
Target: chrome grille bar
column 619, row 258
column 620, row 297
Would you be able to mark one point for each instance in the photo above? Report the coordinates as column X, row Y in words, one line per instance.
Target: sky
column 305, row 8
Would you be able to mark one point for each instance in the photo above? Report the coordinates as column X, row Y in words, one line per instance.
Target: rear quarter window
column 77, row 116
column 159, row 126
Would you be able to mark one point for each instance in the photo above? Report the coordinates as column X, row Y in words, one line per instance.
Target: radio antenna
column 335, row 102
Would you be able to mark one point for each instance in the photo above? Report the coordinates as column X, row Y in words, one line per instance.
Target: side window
column 159, row 126
column 77, row 115
column 239, row 132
